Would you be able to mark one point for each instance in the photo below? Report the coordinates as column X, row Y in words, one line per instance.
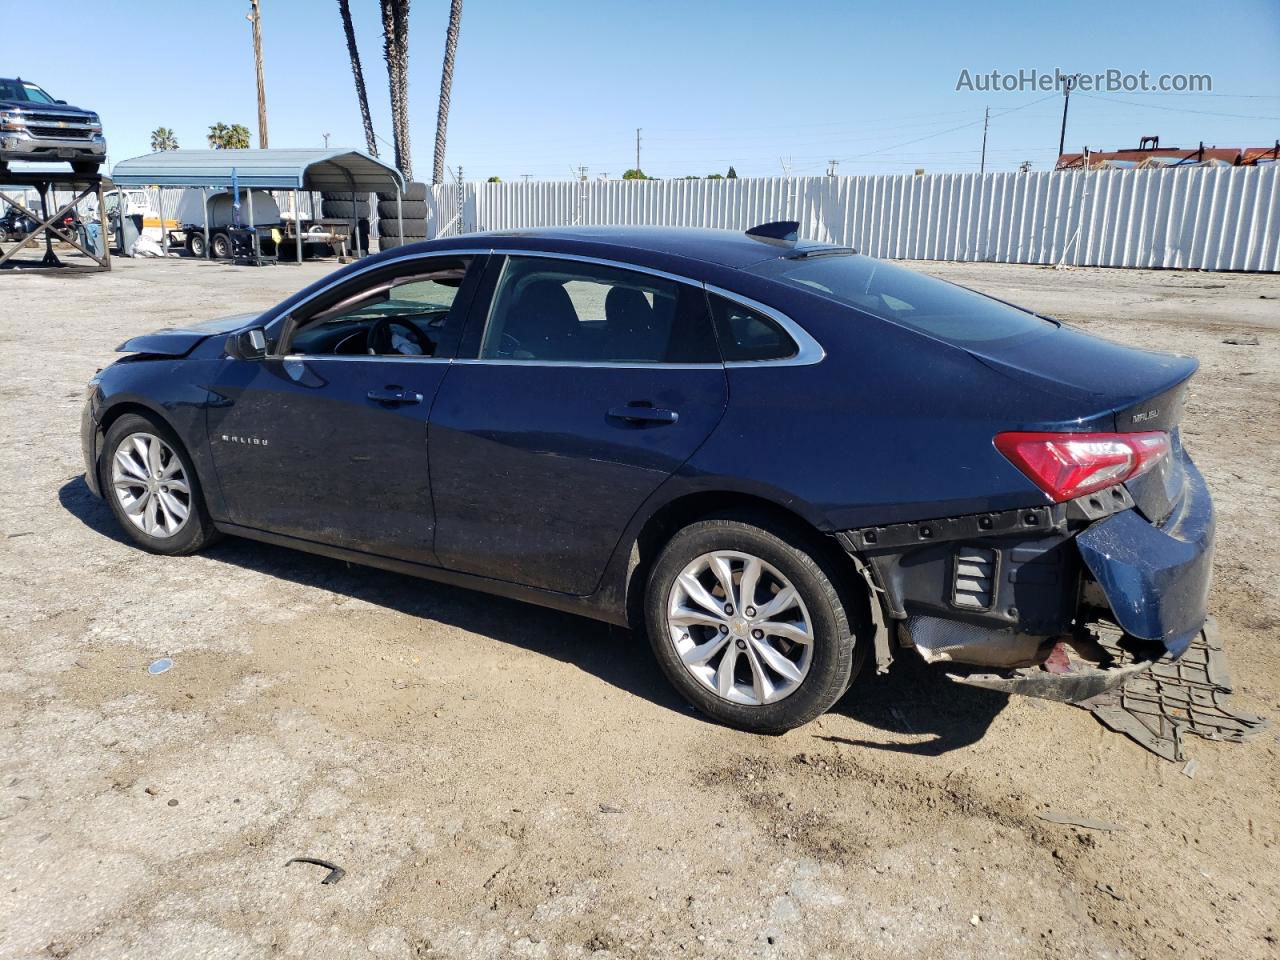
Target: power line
column 1156, row 106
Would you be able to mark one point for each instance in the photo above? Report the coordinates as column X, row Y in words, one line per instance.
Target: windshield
column 932, row 306
column 21, row 90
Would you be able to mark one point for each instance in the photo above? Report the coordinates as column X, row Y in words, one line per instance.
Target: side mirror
column 248, row 344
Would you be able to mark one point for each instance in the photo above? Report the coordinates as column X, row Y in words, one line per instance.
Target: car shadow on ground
column 617, row 656
column 912, row 699
column 915, row 698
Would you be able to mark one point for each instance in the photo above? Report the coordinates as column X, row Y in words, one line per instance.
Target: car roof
column 727, row 248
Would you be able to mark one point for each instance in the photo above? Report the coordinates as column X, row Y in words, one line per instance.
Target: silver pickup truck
column 34, row 126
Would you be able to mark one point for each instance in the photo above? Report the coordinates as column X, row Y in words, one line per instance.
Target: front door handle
column 637, row 414
column 394, row 394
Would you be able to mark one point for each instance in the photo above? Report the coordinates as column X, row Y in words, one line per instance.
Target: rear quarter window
column 746, row 334
column 931, row 306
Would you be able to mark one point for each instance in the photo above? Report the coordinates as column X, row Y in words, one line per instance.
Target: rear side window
column 746, row 334
column 912, row 299
column 566, row 311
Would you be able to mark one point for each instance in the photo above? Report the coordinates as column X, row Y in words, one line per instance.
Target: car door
column 581, row 390
column 327, row 439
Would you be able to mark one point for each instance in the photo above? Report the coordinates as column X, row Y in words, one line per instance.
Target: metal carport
column 295, row 170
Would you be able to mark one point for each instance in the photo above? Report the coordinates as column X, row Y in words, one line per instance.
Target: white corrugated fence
column 1206, row 218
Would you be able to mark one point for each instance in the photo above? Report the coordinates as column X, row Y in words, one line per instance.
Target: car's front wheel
column 152, row 487
column 748, row 624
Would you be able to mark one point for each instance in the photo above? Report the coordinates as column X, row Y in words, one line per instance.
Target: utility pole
column 982, row 166
column 638, row 167
column 832, row 165
column 1066, row 101
column 526, row 177
column 255, row 17
column 326, row 140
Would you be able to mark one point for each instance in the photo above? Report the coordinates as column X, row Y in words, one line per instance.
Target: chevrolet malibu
column 778, row 458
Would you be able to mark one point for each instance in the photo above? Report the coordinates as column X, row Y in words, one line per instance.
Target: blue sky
column 544, row 87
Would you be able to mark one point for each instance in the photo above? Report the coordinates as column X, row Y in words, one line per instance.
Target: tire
column 413, row 209
column 196, row 245
column 390, row 243
column 169, row 535
column 345, row 209
column 86, row 167
column 413, row 229
column 824, row 672
column 220, row 246
column 414, row 190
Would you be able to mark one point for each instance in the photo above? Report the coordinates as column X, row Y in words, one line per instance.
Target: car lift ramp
column 82, row 186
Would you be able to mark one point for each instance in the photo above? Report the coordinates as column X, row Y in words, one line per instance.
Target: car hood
column 41, row 107
column 180, row 341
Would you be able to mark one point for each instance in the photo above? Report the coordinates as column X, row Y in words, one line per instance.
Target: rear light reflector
column 1069, row 465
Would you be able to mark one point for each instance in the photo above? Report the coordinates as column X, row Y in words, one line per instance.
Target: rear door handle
column 392, row 394
column 637, row 414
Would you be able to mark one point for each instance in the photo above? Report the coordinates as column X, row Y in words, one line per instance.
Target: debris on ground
column 335, row 873
column 1190, row 769
column 1078, row 820
column 1188, row 695
column 1109, row 890
column 1241, row 341
column 157, row 667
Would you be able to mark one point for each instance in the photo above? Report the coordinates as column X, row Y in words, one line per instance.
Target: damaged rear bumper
column 1019, row 590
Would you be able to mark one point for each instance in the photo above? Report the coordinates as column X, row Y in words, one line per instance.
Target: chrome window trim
column 362, row 358
column 600, row 261
column 612, row 364
column 808, row 350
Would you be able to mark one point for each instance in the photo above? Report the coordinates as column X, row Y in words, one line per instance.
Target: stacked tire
column 340, row 206
column 413, row 207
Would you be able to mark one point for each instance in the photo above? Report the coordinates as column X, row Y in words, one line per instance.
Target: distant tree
column 732, row 174
column 715, row 176
column 634, row 175
column 494, row 180
column 357, row 72
column 162, row 138
column 395, row 50
column 233, row 137
column 691, row 176
column 446, row 85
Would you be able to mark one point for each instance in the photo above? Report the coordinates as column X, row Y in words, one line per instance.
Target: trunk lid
column 1120, row 389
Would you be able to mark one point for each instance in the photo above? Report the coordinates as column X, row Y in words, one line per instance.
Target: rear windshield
column 932, row 306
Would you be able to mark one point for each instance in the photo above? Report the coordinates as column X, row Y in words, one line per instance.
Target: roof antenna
column 787, row 230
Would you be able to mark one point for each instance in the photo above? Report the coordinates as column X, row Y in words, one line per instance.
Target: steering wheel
column 389, row 335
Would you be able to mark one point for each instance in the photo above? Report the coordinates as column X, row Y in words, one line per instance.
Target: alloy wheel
column 151, row 485
column 740, row 628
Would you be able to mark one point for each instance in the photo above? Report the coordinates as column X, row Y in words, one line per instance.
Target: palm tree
column 233, row 137
column 395, row 50
column 446, row 86
column 362, row 95
column 162, row 138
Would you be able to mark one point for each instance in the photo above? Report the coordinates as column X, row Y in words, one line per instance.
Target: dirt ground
column 498, row 780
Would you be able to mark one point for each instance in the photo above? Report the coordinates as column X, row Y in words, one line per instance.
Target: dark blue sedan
column 779, row 457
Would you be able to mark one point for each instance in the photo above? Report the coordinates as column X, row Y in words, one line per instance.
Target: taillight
column 1069, row 465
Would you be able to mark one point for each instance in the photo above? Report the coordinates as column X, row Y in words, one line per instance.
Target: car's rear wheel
column 748, row 624
column 152, row 487
column 196, row 244
column 220, row 244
